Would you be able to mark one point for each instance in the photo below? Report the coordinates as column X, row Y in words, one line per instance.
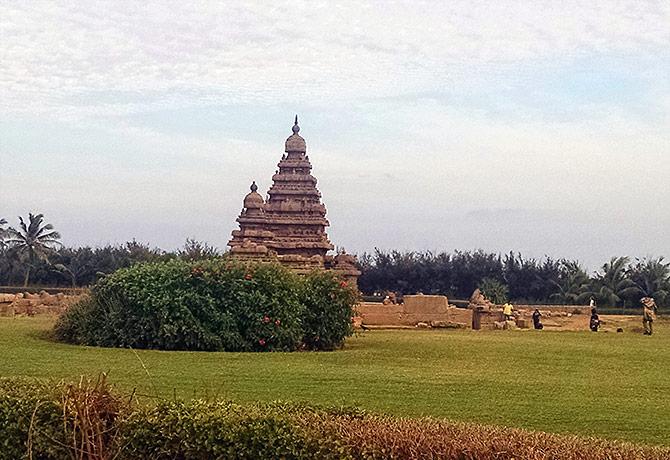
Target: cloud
column 56, row 53
column 417, row 114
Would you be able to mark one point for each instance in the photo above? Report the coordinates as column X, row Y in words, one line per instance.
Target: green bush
column 203, row 429
column 329, row 304
column 177, row 305
column 30, row 418
column 211, row 305
column 88, row 421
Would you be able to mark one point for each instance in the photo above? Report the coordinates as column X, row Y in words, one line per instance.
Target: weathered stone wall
column 35, row 304
column 431, row 310
column 435, row 311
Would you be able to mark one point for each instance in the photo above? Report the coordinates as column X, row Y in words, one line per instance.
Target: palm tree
column 612, row 284
column 494, row 290
column 652, row 278
column 572, row 286
column 33, row 242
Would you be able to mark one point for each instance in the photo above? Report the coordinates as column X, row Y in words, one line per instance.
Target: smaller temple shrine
column 290, row 226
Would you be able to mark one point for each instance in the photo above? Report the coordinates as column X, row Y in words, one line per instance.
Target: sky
column 538, row 127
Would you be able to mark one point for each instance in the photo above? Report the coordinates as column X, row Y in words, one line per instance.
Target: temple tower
column 294, row 211
column 291, row 226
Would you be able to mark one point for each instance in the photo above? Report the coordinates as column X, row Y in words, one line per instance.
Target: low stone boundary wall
column 29, row 304
column 435, row 311
column 423, row 310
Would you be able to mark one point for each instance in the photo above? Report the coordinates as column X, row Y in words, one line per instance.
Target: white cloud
column 257, row 53
column 450, row 116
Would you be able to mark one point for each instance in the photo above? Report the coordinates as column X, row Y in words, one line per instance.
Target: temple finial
column 254, row 187
column 296, row 128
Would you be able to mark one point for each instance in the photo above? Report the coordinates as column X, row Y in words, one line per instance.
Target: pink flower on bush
column 343, row 284
column 248, row 276
column 277, row 322
column 266, row 319
column 261, row 342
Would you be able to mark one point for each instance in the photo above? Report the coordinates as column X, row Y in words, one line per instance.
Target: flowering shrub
column 213, row 305
column 206, row 305
column 329, row 304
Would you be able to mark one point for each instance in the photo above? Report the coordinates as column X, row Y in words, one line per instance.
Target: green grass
column 609, row 385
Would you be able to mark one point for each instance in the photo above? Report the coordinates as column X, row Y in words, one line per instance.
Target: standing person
column 594, row 323
column 592, row 303
column 537, row 324
column 649, row 310
column 507, row 312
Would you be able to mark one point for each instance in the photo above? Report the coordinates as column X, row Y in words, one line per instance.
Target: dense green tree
column 651, row 277
column 494, row 290
column 34, row 242
column 78, row 265
column 3, row 234
column 612, row 283
column 197, row 250
column 470, row 268
column 529, row 279
column 573, row 286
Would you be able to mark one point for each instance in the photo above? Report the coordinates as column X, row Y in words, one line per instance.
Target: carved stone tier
column 291, row 226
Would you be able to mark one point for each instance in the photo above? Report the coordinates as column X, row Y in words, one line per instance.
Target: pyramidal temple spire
column 289, row 226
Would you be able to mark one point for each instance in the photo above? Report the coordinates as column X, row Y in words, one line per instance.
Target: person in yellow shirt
column 507, row 312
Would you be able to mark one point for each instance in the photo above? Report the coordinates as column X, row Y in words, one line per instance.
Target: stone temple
column 290, row 226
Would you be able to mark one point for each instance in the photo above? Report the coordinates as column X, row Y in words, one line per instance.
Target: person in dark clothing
column 537, row 324
column 594, row 324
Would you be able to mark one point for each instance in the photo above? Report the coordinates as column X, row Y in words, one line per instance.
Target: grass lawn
column 609, row 385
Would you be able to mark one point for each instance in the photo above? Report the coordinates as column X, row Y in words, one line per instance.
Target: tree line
column 32, row 254
column 621, row 281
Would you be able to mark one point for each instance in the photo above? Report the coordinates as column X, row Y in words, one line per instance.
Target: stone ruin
column 415, row 311
column 479, row 301
column 290, row 226
column 434, row 311
column 29, row 304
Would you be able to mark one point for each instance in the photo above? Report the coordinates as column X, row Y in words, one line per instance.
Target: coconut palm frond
column 35, row 241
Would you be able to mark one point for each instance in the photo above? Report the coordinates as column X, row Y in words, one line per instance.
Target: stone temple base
column 343, row 265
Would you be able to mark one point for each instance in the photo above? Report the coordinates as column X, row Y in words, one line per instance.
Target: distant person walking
column 507, row 312
column 649, row 310
column 537, row 323
column 592, row 303
column 594, row 323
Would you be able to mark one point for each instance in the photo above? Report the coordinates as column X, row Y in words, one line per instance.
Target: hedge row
column 88, row 421
column 212, row 305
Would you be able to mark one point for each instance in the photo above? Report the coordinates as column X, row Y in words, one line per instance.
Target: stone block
column 447, row 325
column 459, row 315
column 509, row 325
column 426, row 304
column 367, row 308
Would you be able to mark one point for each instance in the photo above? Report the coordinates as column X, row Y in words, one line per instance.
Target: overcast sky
column 538, row 126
